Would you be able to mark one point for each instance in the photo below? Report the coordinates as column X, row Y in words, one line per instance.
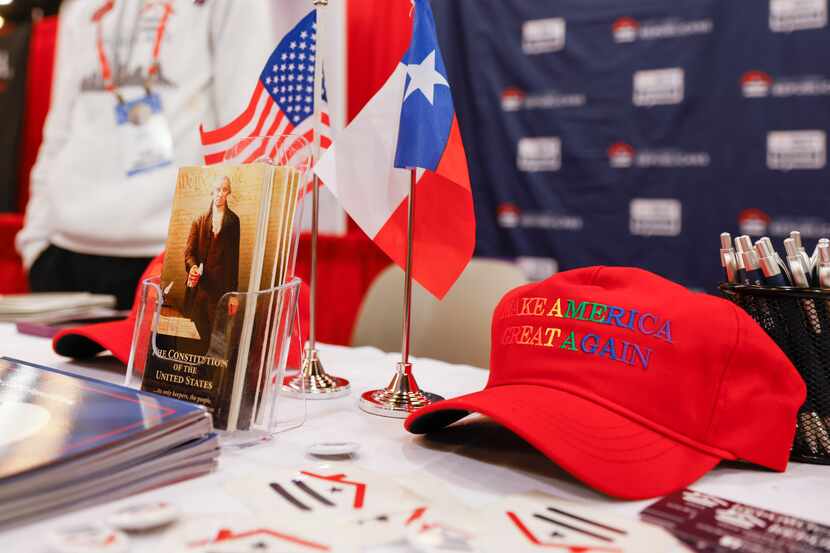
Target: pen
column 814, row 257
column 727, row 258
column 802, row 253
column 797, row 272
column 752, row 266
column 781, row 263
column 823, row 264
column 740, row 272
column 769, row 266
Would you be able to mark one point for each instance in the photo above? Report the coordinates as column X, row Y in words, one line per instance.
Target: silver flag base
column 400, row 398
column 313, row 382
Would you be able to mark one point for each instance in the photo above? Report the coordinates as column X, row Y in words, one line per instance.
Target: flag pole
column 402, row 396
column 313, row 382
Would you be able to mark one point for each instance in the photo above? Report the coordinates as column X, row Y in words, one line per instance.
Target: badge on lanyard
column 143, row 129
column 145, row 134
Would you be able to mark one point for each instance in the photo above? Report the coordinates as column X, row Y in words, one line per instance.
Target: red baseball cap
column 87, row 341
column 632, row 383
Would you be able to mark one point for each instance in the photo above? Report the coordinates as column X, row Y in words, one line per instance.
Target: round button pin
column 144, row 516
column 330, row 449
column 91, row 538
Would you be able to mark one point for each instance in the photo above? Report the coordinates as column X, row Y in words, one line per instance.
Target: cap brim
column 90, row 340
column 604, row 449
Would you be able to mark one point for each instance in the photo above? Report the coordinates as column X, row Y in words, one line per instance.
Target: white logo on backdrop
column 655, row 217
column 628, row 29
column 656, row 87
column 508, row 215
column 542, row 153
column 787, row 150
column 797, row 15
column 624, row 29
column 515, row 99
column 757, row 84
column 622, row 156
column 537, row 268
column 541, row 36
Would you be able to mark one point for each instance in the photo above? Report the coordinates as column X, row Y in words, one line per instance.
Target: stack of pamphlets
column 68, row 441
column 55, row 307
column 230, row 238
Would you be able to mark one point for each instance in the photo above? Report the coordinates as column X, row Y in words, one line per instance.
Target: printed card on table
column 712, row 524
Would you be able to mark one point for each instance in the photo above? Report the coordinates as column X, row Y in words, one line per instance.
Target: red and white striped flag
column 282, row 103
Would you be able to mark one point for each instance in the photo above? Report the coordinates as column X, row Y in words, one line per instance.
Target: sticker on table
column 89, row 538
column 536, row 522
column 443, row 533
column 327, row 491
column 238, row 534
column 381, row 529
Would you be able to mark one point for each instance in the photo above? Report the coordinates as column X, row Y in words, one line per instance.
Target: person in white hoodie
column 134, row 80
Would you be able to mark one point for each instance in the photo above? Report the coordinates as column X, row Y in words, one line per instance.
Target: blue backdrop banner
column 634, row 132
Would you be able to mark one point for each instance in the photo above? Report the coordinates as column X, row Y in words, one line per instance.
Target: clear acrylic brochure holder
column 262, row 409
column 259, row 356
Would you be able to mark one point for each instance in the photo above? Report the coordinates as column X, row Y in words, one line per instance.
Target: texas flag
column 409, row 123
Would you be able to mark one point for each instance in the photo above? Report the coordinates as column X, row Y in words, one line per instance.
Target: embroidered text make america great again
column 592, row 343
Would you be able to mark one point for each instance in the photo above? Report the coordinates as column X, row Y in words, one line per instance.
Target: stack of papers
column 56, row 307
column 67, row 441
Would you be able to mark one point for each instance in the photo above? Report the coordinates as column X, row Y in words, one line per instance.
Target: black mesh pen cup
column 798, row 320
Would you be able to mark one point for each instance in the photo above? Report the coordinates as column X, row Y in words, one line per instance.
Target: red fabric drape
column 346, row 267
column 38, row 94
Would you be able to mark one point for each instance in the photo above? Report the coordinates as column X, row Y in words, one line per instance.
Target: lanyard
column 103, row 60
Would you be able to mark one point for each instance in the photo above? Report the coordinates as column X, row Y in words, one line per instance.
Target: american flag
column 282, row 102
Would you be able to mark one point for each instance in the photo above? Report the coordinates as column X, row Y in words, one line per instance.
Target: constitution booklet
column 229, row 238
column 67, row 441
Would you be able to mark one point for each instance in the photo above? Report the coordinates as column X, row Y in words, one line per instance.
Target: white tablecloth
column 476, row 465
